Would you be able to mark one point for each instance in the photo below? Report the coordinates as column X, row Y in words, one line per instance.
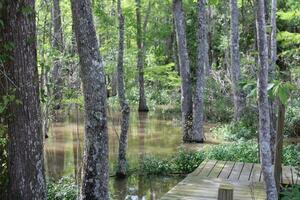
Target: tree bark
column 58, row 45
column 272, row 68
column 263, row 104
column 279, row 145
column 25, row 146
column 184, row 64
column 121, row 172
column 238, row 96
column 200, row 74
column 140, row 59
column 95, row 162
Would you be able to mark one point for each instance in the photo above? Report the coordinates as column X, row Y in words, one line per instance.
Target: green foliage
column 63, row 189
column 290, row 193
column 163, row 75
column 234, row 131
column 156, row 166
column 291, row 155
column 217, row 102
column 3, row 160
column 292, row 120
column 5, row 101
column 187, row 161
column 247, row 152
column 281, row 89
column 238, row 151
column 183, row 162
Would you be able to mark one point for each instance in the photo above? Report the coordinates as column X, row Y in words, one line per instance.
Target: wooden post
column 225, row 192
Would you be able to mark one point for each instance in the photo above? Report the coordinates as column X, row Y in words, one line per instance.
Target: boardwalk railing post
column 225, row 192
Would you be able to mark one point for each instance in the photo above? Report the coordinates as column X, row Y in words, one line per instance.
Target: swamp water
column 153, row 134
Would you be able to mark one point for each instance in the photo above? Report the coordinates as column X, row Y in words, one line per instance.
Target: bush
column 291, row 155
column 217, row 102
column 156, row 166
column 63, row 189
column 247, row 152
column 290, row 193
column 234, row 131
column 187, row 161
column 241, row 152
column 292, row 121
column 184, row 162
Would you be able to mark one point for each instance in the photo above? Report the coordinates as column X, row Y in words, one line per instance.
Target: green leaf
column 252, row 93
column 270, row 86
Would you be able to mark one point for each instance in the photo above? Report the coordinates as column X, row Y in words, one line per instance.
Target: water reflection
column 55, row 155
column 149, row 134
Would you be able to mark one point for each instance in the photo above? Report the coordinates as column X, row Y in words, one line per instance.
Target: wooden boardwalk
column 245, row 178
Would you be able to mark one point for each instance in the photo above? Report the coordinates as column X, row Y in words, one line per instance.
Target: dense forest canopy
column 234, row 64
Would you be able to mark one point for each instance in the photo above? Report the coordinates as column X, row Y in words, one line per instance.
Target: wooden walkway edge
column 245, row 178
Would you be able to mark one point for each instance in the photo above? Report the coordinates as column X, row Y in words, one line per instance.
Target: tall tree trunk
column 209, row 35
column 95, row 162
column 25, row 148
column 140, row 60
column 58, row 45
column 200, row 74
column 272, row 68
column 263, row 104
column 238, row 96
column 184, row 64
column 279, row 145
column 121, row 172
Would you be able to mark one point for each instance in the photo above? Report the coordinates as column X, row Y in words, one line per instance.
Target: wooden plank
column 217, row 169
column 287, row 175
column 245, row 174
column 261, row 178
column 226, row 171
column 199, row 168
column 255, row 174
column 207, row 168
column 246, row 179
column 295, row 175
column 236, row 171
column 207, row 188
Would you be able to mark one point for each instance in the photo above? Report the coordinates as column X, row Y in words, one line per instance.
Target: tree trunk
column 238, row 96
column 263, row 104
column 95, row 162
column 184, row 64
column 273, row 54
column 279, row 145
column 25, row 146
column 200, row 74
column 58, row 45
column 121, row 172
column 114, row 83
column 140, row 60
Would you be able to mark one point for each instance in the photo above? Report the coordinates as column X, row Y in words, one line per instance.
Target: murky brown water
column 149, row 134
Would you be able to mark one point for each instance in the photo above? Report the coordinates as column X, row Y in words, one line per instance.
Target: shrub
column 184, row 162
column 218, row 102
column 187, row 161
column 290, row 193
column 234, row 131
column 241, row 152
column 63, row 189
column 155, row 166
column 291, row 155
column 292, row 121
